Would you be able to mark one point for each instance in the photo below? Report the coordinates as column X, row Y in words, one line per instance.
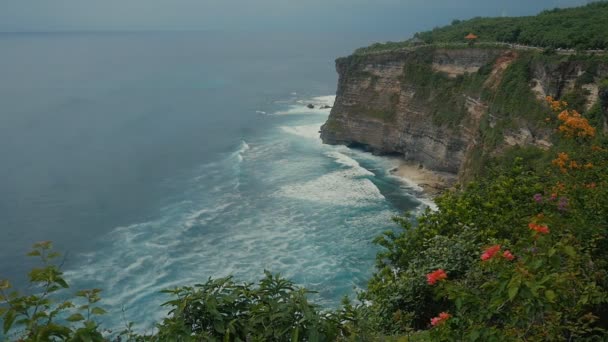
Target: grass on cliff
column 568, row 28
column 571, row 28
column 446, row 97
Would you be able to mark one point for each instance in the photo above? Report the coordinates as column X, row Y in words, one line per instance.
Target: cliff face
column 435, row 106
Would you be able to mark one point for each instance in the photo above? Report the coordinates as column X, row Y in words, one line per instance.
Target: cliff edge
column 448, row 109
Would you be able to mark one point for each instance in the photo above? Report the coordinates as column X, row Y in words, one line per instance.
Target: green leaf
column 62, row 283
column 218, row 326
column 98, row 311
column 9, row 318
column 295, row 335
column 75, row 318
column 550, row 295
column 513, row 288
column 569, row 250
column 458, row 303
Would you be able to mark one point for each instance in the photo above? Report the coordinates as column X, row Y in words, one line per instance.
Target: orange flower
column 556, row 105
column 543, row 229
column 561, row 161
column 574, row 125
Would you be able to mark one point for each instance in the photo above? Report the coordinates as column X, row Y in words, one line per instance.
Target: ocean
column 155, row 160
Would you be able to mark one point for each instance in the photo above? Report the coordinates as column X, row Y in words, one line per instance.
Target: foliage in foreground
column 519, row 256
column 218, row 310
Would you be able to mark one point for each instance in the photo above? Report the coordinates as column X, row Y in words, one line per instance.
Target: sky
column 255, row 15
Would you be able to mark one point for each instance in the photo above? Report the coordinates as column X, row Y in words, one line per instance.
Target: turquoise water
column 161, row 159
column 280, row 201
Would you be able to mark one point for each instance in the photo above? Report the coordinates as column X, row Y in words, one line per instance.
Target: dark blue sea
column 154, row 160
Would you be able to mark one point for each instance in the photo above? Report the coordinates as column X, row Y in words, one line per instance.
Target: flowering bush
column 538, row 263
column 556, row 289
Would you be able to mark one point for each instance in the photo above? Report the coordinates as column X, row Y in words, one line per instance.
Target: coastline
column 430, row 182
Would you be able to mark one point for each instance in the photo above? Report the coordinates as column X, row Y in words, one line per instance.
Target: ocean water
column 161, row 159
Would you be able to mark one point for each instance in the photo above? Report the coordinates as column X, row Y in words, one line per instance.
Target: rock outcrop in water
column 444, row 108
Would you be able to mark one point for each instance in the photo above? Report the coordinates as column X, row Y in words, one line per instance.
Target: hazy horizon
column 384, row 16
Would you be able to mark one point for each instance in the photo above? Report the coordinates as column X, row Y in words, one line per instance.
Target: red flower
column 489, row 253
column 444, row 316
column 507, row 255
column 436, row 276
column 543, row 229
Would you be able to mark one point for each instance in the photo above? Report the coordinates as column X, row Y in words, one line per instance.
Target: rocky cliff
column 441, row 107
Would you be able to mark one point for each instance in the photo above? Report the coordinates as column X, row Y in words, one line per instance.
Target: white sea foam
column 328, row 100
column 345, row 160
column 336, row 188
column 301, row 106
column 412, row 189
column 243, row 147
column 206, row 214
column 306, row 131
column 261, row 112
column 344, row 187
column 427, row 202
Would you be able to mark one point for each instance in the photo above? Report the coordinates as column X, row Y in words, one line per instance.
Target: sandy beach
column 431, row 182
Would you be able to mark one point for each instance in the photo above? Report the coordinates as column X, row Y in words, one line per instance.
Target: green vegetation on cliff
column 570, row 28
column 445, row 97
column 567, row 28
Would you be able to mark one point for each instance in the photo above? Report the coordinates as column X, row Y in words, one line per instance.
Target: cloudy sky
column 238, row 15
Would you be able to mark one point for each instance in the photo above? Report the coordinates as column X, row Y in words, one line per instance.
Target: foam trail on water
column 305, row 131
column 345, row 160
column 244, row 147
column 336, row 188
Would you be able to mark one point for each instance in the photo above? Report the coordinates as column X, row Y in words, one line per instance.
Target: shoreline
column 430, row 182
